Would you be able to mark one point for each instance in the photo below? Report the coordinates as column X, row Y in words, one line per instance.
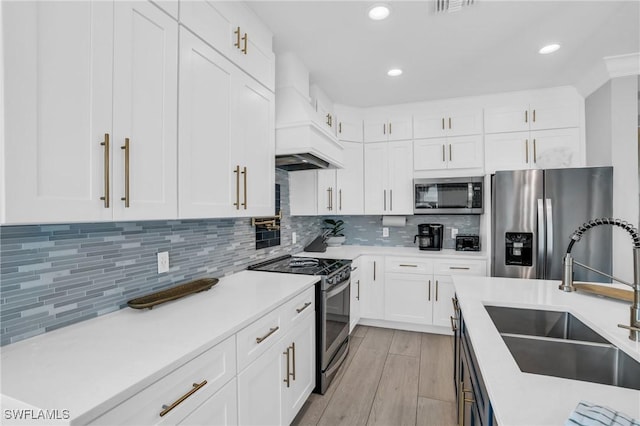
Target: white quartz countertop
column 90, row 367
column 529, row 399
column 352, row 252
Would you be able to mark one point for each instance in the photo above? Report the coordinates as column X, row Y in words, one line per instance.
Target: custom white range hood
column 303, row 141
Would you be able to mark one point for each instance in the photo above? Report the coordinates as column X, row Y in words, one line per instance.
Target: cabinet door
column 408, row 298
column 430, row 154
column 429, row 125
column 375, row 171
column 261, row 388
column 327, row 192
column 376, row 130
column 511, row 118
column 349, row 129
column 58, row 98
column 253, row 147
column 465, row 152
column 350, row 181
column 554, row 115
column 372, row 287
column 442, row 306
column 354, row 311
column 145, row 112
column 555, row 149
column 221, row 409
column 464, row 122
column 400, row 178
column 206, row 172
column 303, row 193
column 400, row 128
column 302, row 355
column 506, row 151
column 212, row 21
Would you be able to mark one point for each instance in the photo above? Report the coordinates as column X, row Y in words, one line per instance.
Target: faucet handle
column 634, row 332
column 567, row 274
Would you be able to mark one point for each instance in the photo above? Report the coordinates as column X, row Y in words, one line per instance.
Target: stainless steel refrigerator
column 534, row 213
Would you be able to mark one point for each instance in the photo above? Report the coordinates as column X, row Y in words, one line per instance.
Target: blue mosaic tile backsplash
column 56, row 275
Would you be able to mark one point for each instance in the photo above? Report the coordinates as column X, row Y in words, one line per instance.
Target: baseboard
column 435, row 329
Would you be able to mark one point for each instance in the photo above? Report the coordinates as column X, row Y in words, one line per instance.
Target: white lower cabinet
column 407, row 298
column 356, row 279
column 442, row 305
column 372, row 287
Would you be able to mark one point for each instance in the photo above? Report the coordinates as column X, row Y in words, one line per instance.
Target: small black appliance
column 467, row 243
column 429, row 236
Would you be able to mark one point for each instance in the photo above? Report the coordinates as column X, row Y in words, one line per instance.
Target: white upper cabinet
column 350, row 181
column 447, row 123
column 325, row 117
column 70, row 105
column 461, row 152
column 226, row 158
column 349, row 128
column 388, row 178
column 233, row 30
column 396, row 128
column 551, row 114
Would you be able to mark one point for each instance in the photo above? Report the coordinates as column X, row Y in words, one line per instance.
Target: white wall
column 612, row 139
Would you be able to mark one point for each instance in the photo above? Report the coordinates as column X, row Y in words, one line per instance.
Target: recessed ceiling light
column 549, row 48
column 379, row 12
column 394, row 72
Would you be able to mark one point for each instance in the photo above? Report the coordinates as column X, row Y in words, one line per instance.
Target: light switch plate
column 454, row 232
column 163, row 262
column 293, row 238
column 385, row 232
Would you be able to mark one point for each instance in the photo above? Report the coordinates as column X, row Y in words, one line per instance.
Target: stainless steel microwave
column 448, row 195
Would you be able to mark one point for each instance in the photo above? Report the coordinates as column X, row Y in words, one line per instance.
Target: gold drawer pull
column 306, row 305
column 237, row 33
column 271, row 331
column 196, row 388
column 286, row 378
column 456, row 307
column 464, row 268
column 408, row 265
column 453, row 324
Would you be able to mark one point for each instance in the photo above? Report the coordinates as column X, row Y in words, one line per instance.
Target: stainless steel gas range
column 332, row 309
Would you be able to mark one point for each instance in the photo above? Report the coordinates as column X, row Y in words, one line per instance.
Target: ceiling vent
column 451, row 5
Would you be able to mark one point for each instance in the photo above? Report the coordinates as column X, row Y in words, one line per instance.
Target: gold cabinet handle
column 463, row 268
column 106, row 196
column 391, row 200
column 443, row 158
column 390, row 128
column 340, row 127
column 271, row 331
column 237, row 172
column 429, row 292
column 408, row 265
column 526, row 116
column 358, row 293
column 534, row 115
column 244, row 173
column 293, row 352
column 526, row 151
column 450, row 157
column 329, row 198
column 436, row 290
column 245, row 38
column 286, row 378
column 306, row 305
column 374, row 270
column 328, row 119
column 454, row 301
column 453, row 324
column 196, row 388
column 340, row 199
column 449, row 122
column 384, row 197
column 126, row 197
column 442, row 123
column 535, row 157
column 384, row 128
column 237, row 33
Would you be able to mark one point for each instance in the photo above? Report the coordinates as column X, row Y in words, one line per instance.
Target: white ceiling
column 490, row 46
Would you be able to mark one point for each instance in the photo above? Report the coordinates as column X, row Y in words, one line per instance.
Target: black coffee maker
column 429, row 236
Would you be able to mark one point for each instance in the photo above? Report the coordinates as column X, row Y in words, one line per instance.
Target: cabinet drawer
column 408, row 265
column 299, row 308
column 461, row 267
column 216, row 366
column 257, row 337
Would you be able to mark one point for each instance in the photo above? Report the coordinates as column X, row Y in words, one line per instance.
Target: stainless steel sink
column 533, row 322
column 558, row 344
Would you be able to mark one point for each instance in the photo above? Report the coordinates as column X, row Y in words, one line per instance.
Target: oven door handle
column 338, row 362
column 335, row 291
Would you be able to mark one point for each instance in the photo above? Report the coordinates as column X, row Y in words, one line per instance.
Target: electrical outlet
column 163, row 262
column 293, row 238
column 385, row 232
column 454, row 232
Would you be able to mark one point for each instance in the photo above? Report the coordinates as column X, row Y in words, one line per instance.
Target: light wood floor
column 390, row 378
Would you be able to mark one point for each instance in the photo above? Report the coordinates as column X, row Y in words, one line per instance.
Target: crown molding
column 623, row 65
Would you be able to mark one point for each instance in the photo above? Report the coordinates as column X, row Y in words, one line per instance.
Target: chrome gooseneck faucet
column 568, row 261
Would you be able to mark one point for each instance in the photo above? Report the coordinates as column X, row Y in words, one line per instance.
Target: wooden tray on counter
column 601, row 290
column 153, row 299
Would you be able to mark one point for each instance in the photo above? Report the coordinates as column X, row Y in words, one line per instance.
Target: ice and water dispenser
column 518, row 248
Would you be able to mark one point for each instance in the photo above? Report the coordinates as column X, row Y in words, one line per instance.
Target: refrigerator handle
column 549, row 212
column 540, row 260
